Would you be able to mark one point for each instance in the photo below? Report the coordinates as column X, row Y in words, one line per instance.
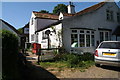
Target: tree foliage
column 60, row 8
column 44, row 11
column 9, row 55
column 20, row 30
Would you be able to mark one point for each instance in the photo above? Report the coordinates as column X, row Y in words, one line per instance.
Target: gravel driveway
column 92, row 72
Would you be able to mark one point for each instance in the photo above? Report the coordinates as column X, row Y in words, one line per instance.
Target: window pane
column 92, row 32
column 109, row 15
column 92, row 40
column 74, row 40
column 106, row 36
column 81, row 31
column 101, row 36
column 110, row 45
column 44, row 36
column 87, row 40
column 74, row 31
column 82, row 40
column 88, row 31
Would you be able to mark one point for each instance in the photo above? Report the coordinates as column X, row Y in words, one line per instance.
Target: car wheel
column 97, row 65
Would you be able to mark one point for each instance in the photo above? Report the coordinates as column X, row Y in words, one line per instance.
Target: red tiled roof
column 45, row 15
column 53, row 16
column 92, row 8
column 66, row 14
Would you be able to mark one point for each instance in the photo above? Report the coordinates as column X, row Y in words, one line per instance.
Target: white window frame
column 85, row 33
column 104, row 38
column 109, row 15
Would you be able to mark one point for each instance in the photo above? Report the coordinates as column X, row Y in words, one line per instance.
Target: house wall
column 32, row 25
column 38, row 24
column 92, row 20
column 54, row 37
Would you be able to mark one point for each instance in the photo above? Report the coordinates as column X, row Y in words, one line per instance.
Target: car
column 107, row 53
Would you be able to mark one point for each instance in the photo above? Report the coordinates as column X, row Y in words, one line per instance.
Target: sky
column 18, row 13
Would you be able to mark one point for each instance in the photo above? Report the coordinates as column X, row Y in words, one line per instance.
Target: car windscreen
column 110, row 45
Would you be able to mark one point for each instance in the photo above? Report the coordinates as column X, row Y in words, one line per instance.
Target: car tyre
column 97, row 65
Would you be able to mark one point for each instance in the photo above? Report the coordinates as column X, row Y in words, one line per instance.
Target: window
column 118, row 17
column 32, row 37
column 109, row 15
column 82, row 38
column 74, row 40
column 87, row 40
column 74, row 31
column 81, row 31
column 44, row 36
column 101, row 36
column 104, row 36
column 37, row 37
column 92, row 40
column 110, row 45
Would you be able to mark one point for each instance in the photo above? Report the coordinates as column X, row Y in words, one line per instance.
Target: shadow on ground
column 111, row 68
column 34, row 72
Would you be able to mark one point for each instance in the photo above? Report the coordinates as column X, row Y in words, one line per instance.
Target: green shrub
column 9, row 55
column 74, row 60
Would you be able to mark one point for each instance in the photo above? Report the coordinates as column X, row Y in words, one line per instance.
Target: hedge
column 9, row 55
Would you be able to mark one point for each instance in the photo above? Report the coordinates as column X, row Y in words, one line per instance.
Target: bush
column 9, row 55
column 74, row 60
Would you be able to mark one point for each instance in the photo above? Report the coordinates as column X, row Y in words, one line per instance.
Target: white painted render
column 41, row 23
column 32, row 25
column 92, row 20
column 54, row 38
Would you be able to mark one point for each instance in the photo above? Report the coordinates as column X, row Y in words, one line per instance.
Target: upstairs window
column 118, row 17
column 109, row 15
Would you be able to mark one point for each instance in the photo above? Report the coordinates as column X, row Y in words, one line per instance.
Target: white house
column 86, row 29
column 39, row 24
column 77, row 32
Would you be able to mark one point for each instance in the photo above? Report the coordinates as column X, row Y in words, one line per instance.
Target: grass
column 70, row 61
column 61, row 65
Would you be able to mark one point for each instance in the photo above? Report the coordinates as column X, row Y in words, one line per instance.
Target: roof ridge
column 91, row 8
column 45, row 13
column 10, row 26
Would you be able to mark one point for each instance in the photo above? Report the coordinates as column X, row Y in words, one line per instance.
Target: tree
column 60, row 8
column 20, row 30
column 44, row 11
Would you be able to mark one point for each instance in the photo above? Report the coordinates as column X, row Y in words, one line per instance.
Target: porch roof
column 117, row 31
